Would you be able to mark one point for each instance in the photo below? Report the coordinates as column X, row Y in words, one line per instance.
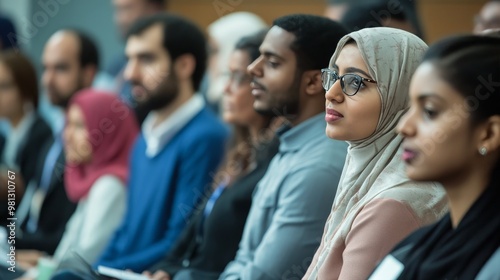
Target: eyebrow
column 423, row 96
column 353, row 70
column 357, row 70
column 269, row 53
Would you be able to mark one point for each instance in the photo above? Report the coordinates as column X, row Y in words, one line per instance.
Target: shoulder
column 207, row 119
column 205, row 129
column 40, row 131
column 389, row 218
column 107, row 185
column 388, row 209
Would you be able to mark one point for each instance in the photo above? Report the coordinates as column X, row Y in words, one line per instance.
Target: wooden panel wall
column 439, row 17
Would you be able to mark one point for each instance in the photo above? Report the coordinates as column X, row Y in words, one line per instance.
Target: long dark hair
column 24, row 74
column 240, row 155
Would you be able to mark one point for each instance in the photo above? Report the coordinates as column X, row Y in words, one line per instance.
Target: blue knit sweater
column 163, row 191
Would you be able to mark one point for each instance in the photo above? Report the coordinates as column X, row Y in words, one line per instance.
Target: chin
column 227, row 118
column 413, row 174
column 331, row 133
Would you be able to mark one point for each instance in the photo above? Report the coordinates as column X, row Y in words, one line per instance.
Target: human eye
column 354, row 81
column 429, row 112
column 61, row 67
column 272, row 64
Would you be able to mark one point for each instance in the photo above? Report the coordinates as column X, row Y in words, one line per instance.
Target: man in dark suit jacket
column 70, row 61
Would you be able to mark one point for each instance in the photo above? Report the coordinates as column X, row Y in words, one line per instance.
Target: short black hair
column 88, row 52
column 316, row 38
column 180, row 36
column 251, row 44
column 359, row 16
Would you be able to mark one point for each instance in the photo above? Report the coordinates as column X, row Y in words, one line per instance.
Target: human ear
column 312, row 82
column 184, row 66
column 489, row 137
column 88, row 74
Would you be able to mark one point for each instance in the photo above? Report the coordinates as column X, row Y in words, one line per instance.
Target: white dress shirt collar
column 156, row 138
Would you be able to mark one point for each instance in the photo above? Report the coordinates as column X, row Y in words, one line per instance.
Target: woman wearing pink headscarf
column 99, row 133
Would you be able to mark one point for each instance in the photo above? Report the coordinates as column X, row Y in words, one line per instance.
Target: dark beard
column 286, row 108
column 64, row 99
column 166, row 92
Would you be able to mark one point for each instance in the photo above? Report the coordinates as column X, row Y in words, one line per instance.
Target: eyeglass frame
column 237, row 78
column 341, row 78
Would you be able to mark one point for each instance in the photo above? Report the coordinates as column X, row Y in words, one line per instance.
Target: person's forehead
column 278, row 41
column 150, row 39
column 63, row 46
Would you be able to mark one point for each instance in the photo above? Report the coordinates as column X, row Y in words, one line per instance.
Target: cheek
column 438, row 156
column 371, row 115
column 243, row 99
column 363, row 114
column 65, row 81
column 10, row 102
column 81, row 144
column 153, row 75
column 280, row 81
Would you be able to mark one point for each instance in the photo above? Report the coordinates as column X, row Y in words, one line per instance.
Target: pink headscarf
column 112, row 129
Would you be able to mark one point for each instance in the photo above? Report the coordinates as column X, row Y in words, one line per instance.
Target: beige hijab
column 373, row 167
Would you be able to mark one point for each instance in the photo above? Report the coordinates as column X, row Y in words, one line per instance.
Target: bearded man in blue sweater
column 181, row 142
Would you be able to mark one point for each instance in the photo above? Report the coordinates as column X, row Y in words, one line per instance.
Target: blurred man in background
column 126, row 12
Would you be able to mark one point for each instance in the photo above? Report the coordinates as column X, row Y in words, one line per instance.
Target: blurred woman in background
column 223, row 35
column 28, row 131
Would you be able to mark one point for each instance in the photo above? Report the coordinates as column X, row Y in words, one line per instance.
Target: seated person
column 211, row 239
column 458, row 112
column 376, row 205
column 291, row 201
column 181, row 144
column 18, row 105
column 99, row 134
column 70, row 61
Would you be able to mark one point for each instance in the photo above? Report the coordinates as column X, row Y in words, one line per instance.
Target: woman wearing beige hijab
column 376, row 204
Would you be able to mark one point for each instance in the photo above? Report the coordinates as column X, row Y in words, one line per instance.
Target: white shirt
column 94, row 221
column 156, row 138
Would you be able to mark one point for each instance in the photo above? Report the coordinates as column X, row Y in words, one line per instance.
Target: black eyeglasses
column 350, row 83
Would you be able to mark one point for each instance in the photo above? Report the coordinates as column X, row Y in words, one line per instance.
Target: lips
column 332, row 115
column 257, row 89
column 409, row 155
column 139, row 92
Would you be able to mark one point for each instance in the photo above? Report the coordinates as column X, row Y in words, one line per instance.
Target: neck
column 308, row 111
column 15, row 121
column 165, row 112
column 463, row 191
column 256, row 129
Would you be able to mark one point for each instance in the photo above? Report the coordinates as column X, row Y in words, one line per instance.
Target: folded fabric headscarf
column 112, row 127
column 373, row 167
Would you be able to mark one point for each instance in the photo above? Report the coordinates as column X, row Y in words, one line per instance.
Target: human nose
column 335, row 93
column 131, row 72
column 255, row 68
column 406, row 125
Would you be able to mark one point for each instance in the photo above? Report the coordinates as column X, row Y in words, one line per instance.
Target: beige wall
column 440, row 17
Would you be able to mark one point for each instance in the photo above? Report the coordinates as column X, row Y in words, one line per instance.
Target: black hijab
column 444, row 252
